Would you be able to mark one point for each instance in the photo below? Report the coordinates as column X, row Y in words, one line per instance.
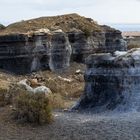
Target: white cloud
column 104, row 11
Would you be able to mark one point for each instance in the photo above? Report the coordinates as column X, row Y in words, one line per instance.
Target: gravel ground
column 77, row 126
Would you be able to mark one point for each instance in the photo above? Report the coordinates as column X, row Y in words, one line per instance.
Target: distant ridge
column 131, row 33
column 126, row 27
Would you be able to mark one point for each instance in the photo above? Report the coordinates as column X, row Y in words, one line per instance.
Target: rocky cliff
column 112, row 81
column 107, row 40
column 52, row 42
column 25, row 53
column 60, row 52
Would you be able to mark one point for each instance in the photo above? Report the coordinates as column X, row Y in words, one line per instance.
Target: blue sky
column 103, row 11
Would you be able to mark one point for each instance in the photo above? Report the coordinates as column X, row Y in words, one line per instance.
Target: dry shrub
column 53, row 85
column 66, row 89
column 59, row 102
column 32, row 108
column 56, row 101
column 5, row 96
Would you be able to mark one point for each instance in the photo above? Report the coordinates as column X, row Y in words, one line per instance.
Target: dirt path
column 77, row 126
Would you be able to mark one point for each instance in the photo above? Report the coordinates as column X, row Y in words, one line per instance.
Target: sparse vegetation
column 64, row 22
column 87, row 32
column 27, row 107
column 57, row 101
column 32, row 108
column 64, row 91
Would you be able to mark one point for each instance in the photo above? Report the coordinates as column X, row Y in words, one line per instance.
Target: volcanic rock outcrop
column 83, row 44
column 25, row 53
column 52, row 42
column 112, row 82
column 60, row 52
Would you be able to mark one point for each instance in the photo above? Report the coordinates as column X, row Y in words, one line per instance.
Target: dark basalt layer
column 112, row 82
column 108, row 40
column 27, row 53
column 60, row 52
column 44, row 48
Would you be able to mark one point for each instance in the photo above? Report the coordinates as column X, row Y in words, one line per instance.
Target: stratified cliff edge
column 112, row 81
column 52, row 42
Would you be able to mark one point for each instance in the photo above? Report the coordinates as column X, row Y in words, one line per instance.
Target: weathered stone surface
column 113, row 40
column 25, row 50
column 112, row 82
column 60, row 52
column 109, row 40
column 82, row 46
column 28, row 53
column 18, row 53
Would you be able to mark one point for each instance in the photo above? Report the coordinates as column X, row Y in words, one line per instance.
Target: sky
column 102, row 11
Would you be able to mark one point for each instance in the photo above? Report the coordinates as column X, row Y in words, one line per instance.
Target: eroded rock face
column 22, row 54
column 112, row 82
column 14, row 55
column 45, row 49
column 60, row 52
column 25, row 53
column 113, row 40
column 109, row 40
column 82, row 46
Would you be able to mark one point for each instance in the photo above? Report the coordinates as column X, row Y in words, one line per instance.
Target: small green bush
column 5, row 96
column 32, row 108
column 87, row 32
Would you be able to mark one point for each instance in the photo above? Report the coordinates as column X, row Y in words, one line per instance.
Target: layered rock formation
column 83, row 44
column 112, row 81
column 25, row 53
column 51, row 42
column 60, row 52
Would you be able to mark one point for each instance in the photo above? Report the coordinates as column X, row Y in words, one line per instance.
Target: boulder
column 24, row 85
column 34, row 82
column 112, row 82
column 42, row 89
